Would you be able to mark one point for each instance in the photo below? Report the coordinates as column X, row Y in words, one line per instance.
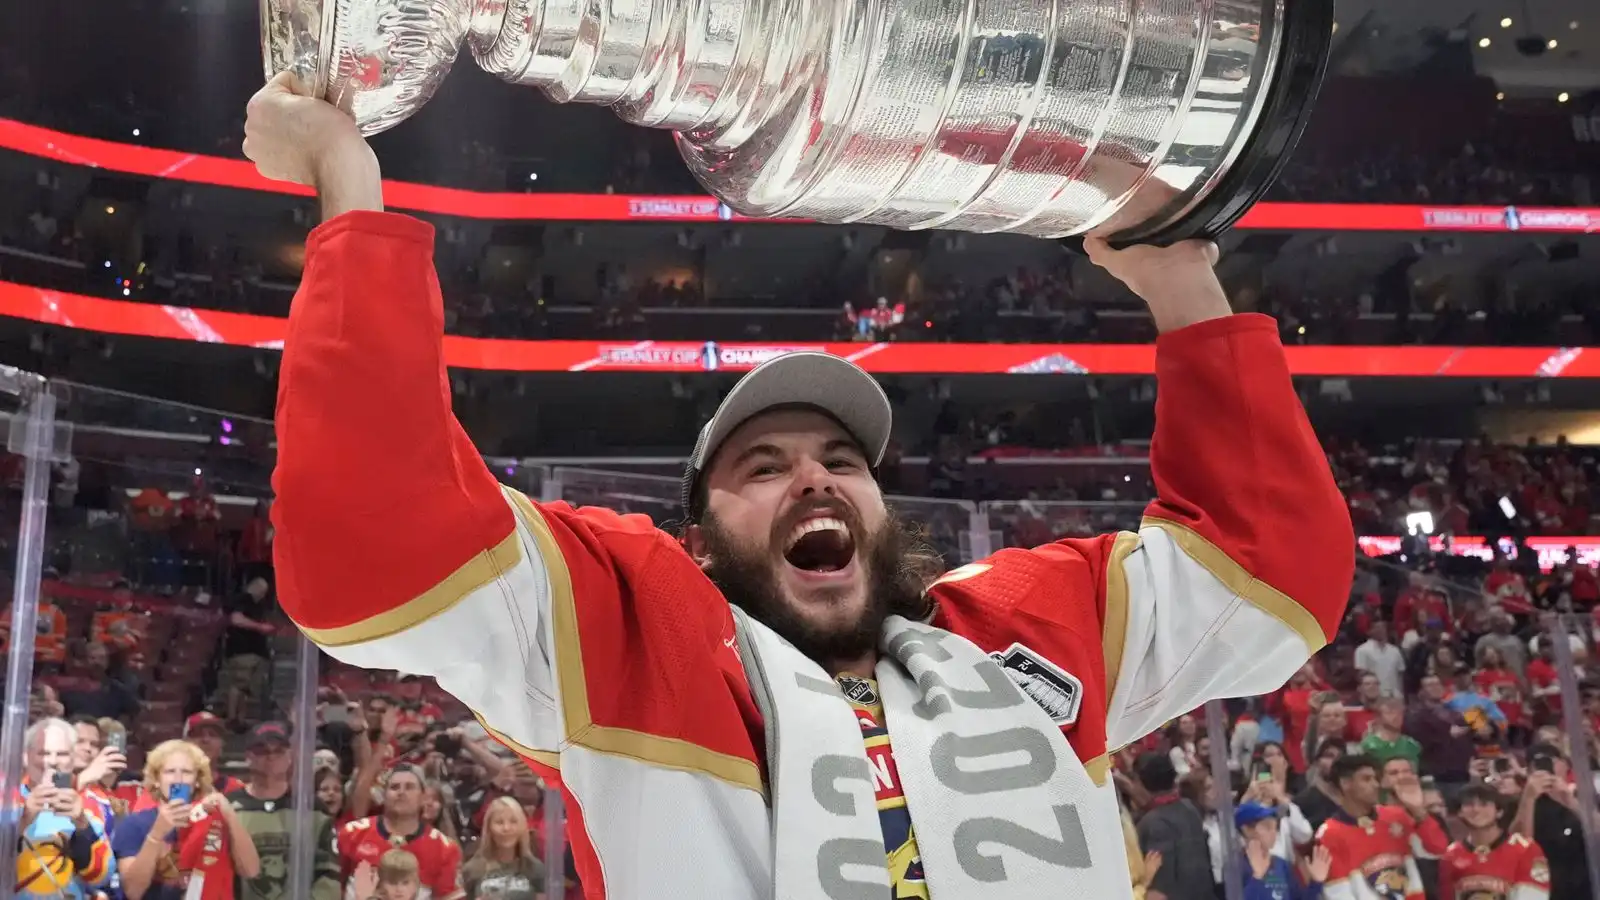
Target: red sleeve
column 373, row 468
column 1404, row 616
column 1151, row 622
column 396, row 548
column 1431, row 835
column 1341, row 864
column 1235, row 460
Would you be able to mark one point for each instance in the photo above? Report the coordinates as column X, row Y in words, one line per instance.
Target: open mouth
column 820, row 545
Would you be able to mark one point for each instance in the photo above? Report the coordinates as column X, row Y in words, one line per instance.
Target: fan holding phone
column 170, row 851
column 63, row 849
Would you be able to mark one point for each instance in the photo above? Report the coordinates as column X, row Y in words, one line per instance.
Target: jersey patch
column 859, row 691
column 1540, row 871
column 1058, row 692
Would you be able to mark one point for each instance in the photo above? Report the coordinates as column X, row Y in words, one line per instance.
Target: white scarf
column 993, row 788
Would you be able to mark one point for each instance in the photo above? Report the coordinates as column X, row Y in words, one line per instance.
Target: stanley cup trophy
column 1140, row 120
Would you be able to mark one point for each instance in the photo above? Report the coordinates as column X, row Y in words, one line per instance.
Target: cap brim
column 830, row 383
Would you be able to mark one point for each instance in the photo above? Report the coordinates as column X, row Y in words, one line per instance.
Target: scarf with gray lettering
column 998, row 799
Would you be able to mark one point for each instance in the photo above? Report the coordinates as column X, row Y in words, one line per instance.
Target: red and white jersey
column 438, row 858
column 1513, row 868
column 592, row 644
column 1375, row 858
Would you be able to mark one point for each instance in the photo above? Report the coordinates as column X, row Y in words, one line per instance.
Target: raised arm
column 395, row 547
column 1241, row 567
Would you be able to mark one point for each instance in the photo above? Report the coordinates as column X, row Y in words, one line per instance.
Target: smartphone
column 447, row 745
column 1502, row 765
column 335, row 713
column 182, row 793
column 61, row 780
column 118, row 741
column 1543, row 764
column 1263, row 776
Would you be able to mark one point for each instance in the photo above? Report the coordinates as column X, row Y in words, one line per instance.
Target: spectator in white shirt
column 1384, row 660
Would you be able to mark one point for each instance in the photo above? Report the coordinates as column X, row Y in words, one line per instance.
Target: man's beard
column 898, row 567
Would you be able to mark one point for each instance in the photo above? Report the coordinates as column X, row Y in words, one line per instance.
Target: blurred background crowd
column 170, row 696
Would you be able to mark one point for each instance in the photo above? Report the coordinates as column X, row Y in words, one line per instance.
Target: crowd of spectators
column 1452, row 733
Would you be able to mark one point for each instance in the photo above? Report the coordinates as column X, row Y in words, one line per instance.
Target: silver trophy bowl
column 1149, row 120
column 378, row 61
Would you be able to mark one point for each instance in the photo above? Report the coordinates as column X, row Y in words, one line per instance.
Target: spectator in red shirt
column 1359, row 715
column 1488, row 861
column 1578, row 580
column 1495, row 681
column 255, row 544
column 1505, row 584
column 1375, row 847
column 1292, row 707
column 400, row 826
column 1420, row 609
column 1544, row 684
column 195, row 536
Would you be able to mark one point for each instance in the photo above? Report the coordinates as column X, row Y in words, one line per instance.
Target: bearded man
column 781, row 700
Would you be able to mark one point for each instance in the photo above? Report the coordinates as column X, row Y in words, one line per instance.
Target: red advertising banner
column 1552, row 551
column 198, row 168
column 182, row 323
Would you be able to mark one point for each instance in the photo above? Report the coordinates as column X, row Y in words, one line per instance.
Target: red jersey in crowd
column 1541, row 677
column 1416, row 607
column 1357, row 719
column 1375, row 857
column 1583, row 583
column 1513, row 868
column 1503, row 688
column 1504, row 584
column 255, row 541
column 438, row 858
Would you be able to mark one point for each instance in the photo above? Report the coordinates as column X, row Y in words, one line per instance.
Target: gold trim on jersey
column 1114, row 631
column 1240, row 582
column 544, row 757
column 483, row 568
column 581, row 730
column 1098, row 768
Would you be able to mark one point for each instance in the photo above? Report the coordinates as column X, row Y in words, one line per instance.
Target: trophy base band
column 1285, row 111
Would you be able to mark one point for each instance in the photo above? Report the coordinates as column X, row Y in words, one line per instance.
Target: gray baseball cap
column 831, row 384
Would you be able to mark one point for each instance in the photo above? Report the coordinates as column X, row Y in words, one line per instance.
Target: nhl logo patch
column 859, row 690
column 1058, row 692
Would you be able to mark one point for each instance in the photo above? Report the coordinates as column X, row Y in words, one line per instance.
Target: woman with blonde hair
column 169, row 852
column 504, row 867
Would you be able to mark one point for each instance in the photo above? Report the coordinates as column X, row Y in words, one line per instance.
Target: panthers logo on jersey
column 1390, row 884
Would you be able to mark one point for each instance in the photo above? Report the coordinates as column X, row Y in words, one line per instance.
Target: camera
column 447, row 745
